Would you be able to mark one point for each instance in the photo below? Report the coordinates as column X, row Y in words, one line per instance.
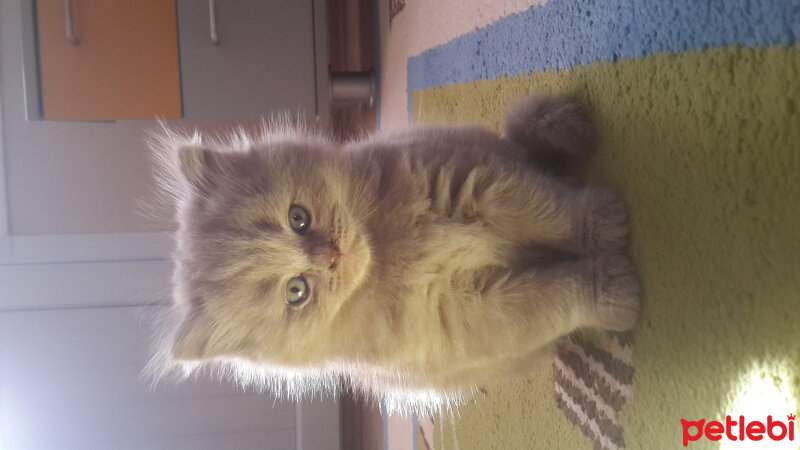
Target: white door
column 70, row 380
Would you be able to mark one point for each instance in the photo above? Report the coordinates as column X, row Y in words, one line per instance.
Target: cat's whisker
column 368, row 215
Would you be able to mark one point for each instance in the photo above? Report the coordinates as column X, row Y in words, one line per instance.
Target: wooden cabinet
column 138, row 59
column 123, row 63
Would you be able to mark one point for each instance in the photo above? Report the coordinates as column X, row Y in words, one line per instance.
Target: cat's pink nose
column 332, row 256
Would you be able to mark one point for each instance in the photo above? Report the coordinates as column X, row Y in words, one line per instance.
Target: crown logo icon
column 790, row 416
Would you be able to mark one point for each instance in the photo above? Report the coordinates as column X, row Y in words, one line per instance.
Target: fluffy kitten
column 416, row 266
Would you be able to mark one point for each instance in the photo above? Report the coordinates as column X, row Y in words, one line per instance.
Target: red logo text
column 738, row 430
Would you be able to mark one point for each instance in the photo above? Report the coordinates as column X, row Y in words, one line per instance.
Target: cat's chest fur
column 429, row 223
column 432, row 246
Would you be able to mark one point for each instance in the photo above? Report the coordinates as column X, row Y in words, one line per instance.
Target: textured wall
column 701, row 132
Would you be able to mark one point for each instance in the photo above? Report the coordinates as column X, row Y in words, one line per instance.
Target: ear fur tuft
column 195, row 163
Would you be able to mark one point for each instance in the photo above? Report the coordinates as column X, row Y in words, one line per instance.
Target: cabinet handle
column 212, row 19
column 70, row 34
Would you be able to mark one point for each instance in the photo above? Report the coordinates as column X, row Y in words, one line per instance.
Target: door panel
column 264, row 61
column 124, row 65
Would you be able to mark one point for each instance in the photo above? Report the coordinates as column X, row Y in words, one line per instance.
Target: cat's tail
column 554, row 130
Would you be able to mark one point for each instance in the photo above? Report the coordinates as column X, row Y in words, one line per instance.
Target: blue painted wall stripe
column 568, row 33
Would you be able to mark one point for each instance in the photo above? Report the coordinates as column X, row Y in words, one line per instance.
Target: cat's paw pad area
column 617, row 293
column 606, row 228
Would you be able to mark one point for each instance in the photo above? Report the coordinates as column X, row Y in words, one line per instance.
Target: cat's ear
column 198, row 164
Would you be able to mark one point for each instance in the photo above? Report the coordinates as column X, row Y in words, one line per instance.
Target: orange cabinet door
column 123, row 64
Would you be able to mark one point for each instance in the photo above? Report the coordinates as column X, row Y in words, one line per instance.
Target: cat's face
column 271, row 245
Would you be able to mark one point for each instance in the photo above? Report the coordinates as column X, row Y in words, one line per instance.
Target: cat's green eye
column 299, row 219
column 296, row 291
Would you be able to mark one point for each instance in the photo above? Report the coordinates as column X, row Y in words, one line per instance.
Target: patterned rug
column 593, row 380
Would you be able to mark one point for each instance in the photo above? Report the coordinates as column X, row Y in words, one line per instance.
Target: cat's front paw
column 617, row 294
column 606, row 228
